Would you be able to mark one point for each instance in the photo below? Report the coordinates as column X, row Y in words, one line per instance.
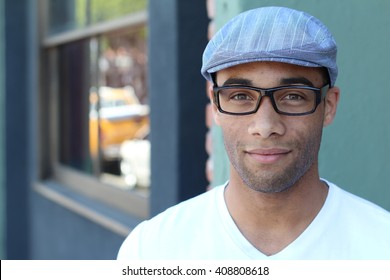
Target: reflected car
column 116, row 115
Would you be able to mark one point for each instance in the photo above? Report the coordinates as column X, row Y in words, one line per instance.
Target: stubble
column 267, row 179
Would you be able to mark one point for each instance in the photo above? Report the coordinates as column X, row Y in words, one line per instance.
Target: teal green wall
column 356, row 146
column 2, row 146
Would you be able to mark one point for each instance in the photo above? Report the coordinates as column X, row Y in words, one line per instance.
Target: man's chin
column 274, row 189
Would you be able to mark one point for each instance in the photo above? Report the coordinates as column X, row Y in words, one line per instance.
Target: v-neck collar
column 295, row 250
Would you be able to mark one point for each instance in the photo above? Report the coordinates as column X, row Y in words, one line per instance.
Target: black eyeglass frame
column 269, row 92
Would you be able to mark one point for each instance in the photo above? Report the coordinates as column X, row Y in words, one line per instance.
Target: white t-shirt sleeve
column 130, row 248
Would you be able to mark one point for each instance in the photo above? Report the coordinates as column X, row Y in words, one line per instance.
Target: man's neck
column 272, row 221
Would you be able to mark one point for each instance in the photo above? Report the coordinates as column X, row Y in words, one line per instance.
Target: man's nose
column 266, row 121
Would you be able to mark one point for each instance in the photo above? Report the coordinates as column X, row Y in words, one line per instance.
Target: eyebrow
column 283, row 81
column 237, row 81
column 296, row 80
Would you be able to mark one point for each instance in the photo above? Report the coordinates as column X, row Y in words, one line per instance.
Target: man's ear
column 331, row 101
column 214, row 108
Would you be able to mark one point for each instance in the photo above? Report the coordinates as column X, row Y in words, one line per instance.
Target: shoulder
column 358, row 228
column 173, row 226
column 189, row 208
column 359, row 215
column 358, row 205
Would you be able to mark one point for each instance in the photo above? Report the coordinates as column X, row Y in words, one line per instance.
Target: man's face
column 270, row 152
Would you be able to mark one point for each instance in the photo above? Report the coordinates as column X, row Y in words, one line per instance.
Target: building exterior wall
column 355, row 148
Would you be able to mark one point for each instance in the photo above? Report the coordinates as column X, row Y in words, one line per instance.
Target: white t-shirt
column 347, row 227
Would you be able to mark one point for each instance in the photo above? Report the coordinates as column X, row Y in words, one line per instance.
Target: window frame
column 50, row 169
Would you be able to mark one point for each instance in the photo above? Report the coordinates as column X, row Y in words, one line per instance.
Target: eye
column 294, row 97
column 241, row 96
column 238, row 95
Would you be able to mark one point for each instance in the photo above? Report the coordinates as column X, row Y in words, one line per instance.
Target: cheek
column 309, row 137
column 231, row 135
column 304, row 133
column 312, row 124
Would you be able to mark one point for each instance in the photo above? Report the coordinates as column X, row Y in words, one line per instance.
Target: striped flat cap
column 271, row 34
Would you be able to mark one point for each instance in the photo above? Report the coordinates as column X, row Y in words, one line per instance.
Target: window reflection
column 112, row 99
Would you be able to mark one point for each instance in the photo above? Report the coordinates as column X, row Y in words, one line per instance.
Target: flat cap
column 271, row 34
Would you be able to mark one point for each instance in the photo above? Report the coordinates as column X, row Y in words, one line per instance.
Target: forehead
column 270, row 74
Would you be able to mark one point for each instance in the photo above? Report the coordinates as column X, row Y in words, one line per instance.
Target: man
column 273, row 71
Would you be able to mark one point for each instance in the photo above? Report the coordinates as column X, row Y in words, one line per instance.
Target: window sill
column 108, row 217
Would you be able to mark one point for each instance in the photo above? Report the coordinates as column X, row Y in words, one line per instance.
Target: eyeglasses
column 286, row 100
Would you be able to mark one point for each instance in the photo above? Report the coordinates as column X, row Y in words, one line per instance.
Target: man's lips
column 269, row 155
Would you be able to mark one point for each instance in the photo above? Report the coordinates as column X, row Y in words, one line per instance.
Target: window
column 95, row 73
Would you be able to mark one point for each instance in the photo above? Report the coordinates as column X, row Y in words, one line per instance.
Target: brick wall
column 209, row 117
